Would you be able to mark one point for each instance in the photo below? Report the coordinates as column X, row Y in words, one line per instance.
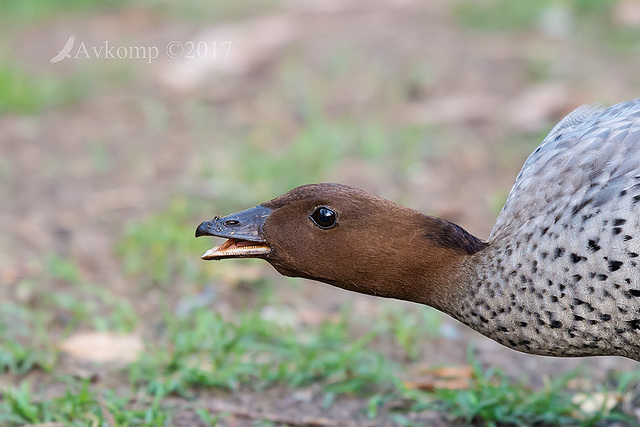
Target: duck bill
column 243, row 231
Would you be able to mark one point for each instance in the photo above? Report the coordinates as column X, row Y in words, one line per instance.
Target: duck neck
column 433, row 266
column 494, row 295
column 454, row 271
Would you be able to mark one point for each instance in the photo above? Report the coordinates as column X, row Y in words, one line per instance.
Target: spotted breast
column 562, row 275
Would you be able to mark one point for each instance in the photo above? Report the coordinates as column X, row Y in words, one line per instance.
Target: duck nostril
column 231, row 222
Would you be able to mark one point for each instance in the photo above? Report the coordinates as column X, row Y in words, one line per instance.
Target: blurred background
column 124, row 124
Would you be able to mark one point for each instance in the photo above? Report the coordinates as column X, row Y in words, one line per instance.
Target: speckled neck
column 537, row 297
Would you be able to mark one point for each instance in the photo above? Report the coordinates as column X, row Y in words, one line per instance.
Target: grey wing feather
column 591, row 156
column 574, row 118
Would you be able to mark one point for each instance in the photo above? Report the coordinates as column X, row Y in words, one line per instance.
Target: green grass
column 81, row 406
column 238, row 166
column 84, row 302
column 24, row 341
column 206, row 12
column 66, row 303
column 21, row 12
column 493, row 398
column 203, row 350
column 585, row 19
column 23, row 92
column 504, row 15
column 410, row 328
column 162, row 249
column 511, row 16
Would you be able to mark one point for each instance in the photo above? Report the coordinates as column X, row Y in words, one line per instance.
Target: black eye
column 324, row 217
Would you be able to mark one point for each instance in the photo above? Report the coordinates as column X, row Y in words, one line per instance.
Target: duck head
column 348, row 238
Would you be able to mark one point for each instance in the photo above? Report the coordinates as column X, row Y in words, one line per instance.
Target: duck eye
column 324, row 217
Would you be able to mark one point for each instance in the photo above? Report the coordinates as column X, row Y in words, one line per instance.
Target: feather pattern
column 561, row 275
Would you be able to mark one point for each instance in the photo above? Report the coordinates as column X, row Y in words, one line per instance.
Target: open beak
column 244, row 231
